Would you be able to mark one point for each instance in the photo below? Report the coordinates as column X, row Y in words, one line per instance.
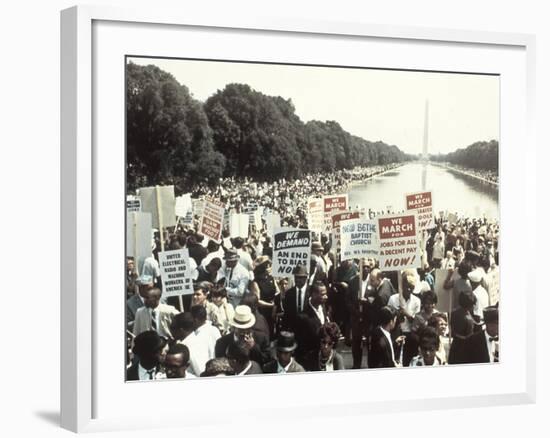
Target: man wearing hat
column 148, row 347
column 284, row 363
column 295, row 298
column 481, row 294
column 482, row 346
column 236, row 277
column 244, row 257
column 136, row 301
column 242, row 324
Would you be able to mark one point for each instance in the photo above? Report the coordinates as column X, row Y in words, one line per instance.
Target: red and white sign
column 399, row 242
column 315, row 215
column 212, row 219
column 339, row 217
column 332, row 204
column 422, row 204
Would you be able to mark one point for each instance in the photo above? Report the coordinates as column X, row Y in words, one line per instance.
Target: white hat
column 243, row 317
column 475, row 276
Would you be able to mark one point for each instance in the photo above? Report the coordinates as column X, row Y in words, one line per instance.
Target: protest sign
column 452, row 218
column 336, row 219
column 358, row 238
column 315, row 217
column 258, row 219
column 198, row 207
column 238, row 225
column 272, row 221
column 291, row 246
column 211, row 222
column 333, row 204
column 160, row 202
column 183, row 205
column 175, row 272
column 422, row 204
column 133, row 203
column 493, row 286
column 399, row 242
column 138, row 237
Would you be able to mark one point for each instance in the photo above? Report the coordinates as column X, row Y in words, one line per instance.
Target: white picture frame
column 89, row 399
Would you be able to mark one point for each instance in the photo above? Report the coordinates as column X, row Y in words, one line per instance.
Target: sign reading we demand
column 291, row 246
column 399, row 243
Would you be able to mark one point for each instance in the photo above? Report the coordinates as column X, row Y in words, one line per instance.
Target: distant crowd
column 488, row 175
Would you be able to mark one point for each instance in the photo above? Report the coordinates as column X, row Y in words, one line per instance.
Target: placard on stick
column 166, row 205
column 175, row 272
column 337, row 218
column 138, row 237
column 332, row 204
column 291, row 246
column 211, row 223
column 399, row 242
column 238, row 225
column 422, row 204
column 359, row 239
column 315, row 215
column 133, row 203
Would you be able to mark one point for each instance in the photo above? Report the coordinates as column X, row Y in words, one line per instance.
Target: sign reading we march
column 291, row 246
column 175, row 272
column 332, row 204
column 421, row 203
column 399, row 243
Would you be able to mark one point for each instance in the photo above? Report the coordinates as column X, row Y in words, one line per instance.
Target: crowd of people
column 484, row 174
column 241, row 320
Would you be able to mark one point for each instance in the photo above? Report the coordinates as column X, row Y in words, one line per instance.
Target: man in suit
column 310, row 321
column 238, row 354
column 284, row 363
column 356, row 301
column 154, row 315
column 242, row 324
column 235, row 277
column 136, row 301
column 382, row 352
column 482, row 346
column 148, row 347
column 295, row 298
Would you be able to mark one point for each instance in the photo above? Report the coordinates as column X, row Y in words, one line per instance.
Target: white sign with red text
column 399, row 242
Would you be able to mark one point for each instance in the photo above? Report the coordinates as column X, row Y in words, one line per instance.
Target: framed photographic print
column 314, row 211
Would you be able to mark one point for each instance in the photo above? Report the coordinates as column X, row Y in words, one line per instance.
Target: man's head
column 428, row 344
column 176, row 361
column 145, row 283
column 238, row 354
column 409, row 277
column 238, row 242
column 317, row 248
column 466, row 299
column 214, row 266
column 318, row 293
column 148, row 347
column 200, row 293
column 300, row 276
column 152, row 298
column 231, row 258
column 285, row 346
column 242, row 322
column 368, row 266
column 130, row 265
column 182, row 325
column 475, row 277
column 387, row 318
column 217, row 367
column 490, row 317
column 199, row 315
column 375, row 278
column 218, row 294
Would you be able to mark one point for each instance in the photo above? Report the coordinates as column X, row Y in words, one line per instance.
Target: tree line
column 481, row 155
column 173, row 138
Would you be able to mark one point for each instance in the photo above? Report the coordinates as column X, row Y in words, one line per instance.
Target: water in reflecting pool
column 451, row 191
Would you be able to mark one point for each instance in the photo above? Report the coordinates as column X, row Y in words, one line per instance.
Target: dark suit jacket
column 380, row 351
column 132, row 372
column 312, row 362
column 259, row 353
column 291, row 310
column 132, row 305
column 271, row 367
column 371, row 310
column 307, row 332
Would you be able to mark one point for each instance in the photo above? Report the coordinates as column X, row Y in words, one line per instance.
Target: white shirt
column 245, row 259
column 201, row 350
column 151, row 267
column 281, row 370
column 236, row 283
column 319, row 312
column 418, row 361
column 412, row 306
column 491, row 347
column 388, row 337
column 209, row 335
column 145, row 375
column 482, row 300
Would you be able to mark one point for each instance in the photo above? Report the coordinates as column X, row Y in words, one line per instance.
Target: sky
column 384, row 105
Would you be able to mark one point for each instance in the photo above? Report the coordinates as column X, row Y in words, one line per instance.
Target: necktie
column 493, row 339
column 299, row 307
column 150, row 372
column 154, row 320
